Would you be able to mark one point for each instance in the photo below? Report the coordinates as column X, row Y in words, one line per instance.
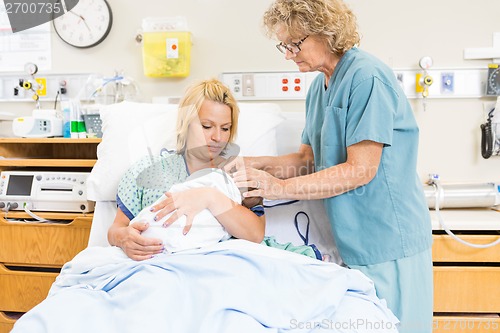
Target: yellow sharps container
column 166, row 47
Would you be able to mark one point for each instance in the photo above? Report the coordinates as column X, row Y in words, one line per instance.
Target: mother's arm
column 238, row 220
column 129, row 238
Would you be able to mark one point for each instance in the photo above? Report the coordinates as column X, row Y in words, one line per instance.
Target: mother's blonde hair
column 190, row 105
column 331, row 20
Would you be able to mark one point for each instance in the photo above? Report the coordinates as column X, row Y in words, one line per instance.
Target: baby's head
column 250, row 201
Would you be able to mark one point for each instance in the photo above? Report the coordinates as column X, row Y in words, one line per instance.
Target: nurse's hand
column 233, row 164
column 265, row 185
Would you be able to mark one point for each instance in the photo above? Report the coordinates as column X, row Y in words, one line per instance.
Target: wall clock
column 85, row 25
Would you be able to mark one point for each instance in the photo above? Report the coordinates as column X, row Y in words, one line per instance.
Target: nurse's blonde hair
column 331, row 20
column 190, row 105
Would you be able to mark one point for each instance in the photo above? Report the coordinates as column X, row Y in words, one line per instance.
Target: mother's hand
column 265, row 185
column 136, row 246
column 189, row 203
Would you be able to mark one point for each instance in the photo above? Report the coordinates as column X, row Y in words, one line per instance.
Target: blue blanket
column 233, row 286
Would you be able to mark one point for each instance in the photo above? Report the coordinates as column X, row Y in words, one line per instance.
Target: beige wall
column 227, row 37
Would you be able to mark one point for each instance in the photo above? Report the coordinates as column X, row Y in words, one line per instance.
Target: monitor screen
column 20, row 185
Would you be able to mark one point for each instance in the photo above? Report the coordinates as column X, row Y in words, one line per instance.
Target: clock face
column 86, row 25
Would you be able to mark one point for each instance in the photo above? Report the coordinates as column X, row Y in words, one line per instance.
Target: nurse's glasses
column 291, row 47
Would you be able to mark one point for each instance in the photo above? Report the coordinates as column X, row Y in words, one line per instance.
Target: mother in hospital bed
column 207, row 122
column 103, row 290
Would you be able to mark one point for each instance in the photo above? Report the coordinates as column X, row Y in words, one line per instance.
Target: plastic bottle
column 66, row 112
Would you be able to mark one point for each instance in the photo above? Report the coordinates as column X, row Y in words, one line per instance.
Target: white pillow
column 129, row 132
column 257, row 129
column 132, row 130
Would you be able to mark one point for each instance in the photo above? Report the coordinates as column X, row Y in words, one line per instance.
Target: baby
column 206, row 229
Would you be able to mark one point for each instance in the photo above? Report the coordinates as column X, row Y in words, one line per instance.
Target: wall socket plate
column 291, row 85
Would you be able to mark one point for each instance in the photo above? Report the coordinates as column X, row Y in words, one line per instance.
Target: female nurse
column 358, row 153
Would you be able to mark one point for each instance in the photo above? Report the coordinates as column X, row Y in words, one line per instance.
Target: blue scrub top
column 388, row 218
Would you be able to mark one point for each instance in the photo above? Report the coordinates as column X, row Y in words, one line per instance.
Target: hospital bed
column 233, row 286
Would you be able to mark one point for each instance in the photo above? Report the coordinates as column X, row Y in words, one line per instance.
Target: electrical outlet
column 292, row 85
column 237, row 85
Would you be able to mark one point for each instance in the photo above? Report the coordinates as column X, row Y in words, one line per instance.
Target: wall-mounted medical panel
column 293, row 85
column 268, row 85
column 22, row 87
column 445, row 83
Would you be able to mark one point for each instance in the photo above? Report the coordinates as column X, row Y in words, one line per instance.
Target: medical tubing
column 305, row 238
column 33, row 215
column 486, row 140
column 487, row 137
column 105, row 82
column 281, row 204
column 55, row 99
column 448, row 231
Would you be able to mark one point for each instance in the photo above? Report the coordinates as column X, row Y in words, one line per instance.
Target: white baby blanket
column 206, row 229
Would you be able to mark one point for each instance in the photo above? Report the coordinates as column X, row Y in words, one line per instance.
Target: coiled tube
column 487, row 137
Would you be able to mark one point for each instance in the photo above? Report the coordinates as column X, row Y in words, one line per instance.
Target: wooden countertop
column 467, row 219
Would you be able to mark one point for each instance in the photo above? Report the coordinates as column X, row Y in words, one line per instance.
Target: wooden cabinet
column 466, row 284
column 43, row 244
column 7, row 321
column 446, row 249
column 466, row 323
column 46, row 153
column 32, row 253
